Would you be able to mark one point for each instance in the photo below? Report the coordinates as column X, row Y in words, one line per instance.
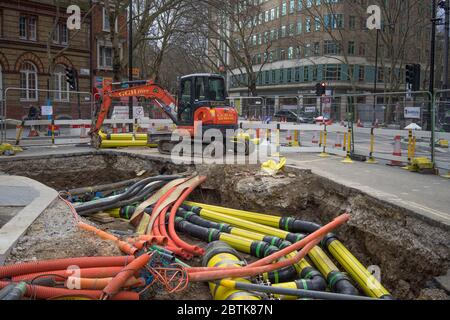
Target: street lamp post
column 431, row 118
column 376, row 77
column 446, row 6
column 130, row 62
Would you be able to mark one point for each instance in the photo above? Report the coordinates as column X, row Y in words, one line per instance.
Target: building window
column 61, row 34
column 331, row 47
column 106, row 24
column 362, row 49
column 351, row 48
column 352, row 23
column 27, row 27
column 60, row 84
column 28, row 82
column 105, row 57
column 361, row 74
column 332, row 72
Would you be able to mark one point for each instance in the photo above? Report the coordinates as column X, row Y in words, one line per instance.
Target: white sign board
column 310, row 109
column 85, row 72
column 138, row 112
column 47, row 110
column 412, row 112
column 120, row 113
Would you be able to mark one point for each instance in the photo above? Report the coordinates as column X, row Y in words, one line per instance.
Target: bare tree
column 232, row 29
column 325, row 17
column 402, row 38
column 52, row 53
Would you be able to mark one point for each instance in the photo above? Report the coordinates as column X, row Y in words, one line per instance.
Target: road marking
column 432, row 211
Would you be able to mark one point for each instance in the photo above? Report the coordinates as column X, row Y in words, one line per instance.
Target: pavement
column 22, row 200
column 426, row 195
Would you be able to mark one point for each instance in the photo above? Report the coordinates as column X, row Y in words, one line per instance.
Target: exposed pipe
column 290, row 292
column 218, row 254
column 349, row 262
column 191, row 248
column 41, row 292
column 60, row 264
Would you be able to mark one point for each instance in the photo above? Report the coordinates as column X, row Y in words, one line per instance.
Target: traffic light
column 71, row 78
column 413, row 76
column 321, row 89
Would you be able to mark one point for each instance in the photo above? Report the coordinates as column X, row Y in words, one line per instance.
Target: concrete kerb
column 19, row 224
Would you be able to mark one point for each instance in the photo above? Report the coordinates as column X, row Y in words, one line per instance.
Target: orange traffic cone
column 397, row 152
column 339, row 141
column 315, row 140
column 33, row 132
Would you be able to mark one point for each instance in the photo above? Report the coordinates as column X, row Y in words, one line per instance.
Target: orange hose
column 159, row 240
column 40, row 292
column 320, row 233
column 64, row 274
column 101, row 283
column 121, row 278
column 155, row 214
column 60, row 264
column 252, row 271
column 196, row 250
column 160, row 225
column 122, row 245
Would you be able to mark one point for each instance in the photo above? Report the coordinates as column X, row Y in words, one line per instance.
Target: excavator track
column 166, row 146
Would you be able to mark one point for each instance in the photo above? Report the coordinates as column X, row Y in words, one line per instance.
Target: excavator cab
column 199, row 91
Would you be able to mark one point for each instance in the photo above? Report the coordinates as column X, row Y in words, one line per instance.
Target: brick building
column 26, row 53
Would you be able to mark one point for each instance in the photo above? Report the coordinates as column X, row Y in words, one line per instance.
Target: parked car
column 291, row 116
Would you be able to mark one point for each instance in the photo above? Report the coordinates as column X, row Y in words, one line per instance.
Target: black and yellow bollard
column 411, row 150
column 344, row 146
column 371, row 159
column 324, row 153
column 348, row 158
column 53, row 130
column 296, row 141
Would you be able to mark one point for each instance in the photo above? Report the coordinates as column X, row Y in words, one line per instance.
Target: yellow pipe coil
column 238, row 243
column 370, row 285
column 237, row 222
column 268, row 220
column 126, row 136
column 223, row 293
column 322, row 261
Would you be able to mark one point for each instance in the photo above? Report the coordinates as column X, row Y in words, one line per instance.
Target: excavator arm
column 149, row 90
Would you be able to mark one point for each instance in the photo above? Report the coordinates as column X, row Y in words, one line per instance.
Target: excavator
column 201, row 99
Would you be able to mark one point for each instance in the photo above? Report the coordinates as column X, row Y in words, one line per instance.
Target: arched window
column 60, row 84
column 28, row 82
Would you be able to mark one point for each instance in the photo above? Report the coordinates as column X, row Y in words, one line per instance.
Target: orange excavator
column 201, row 99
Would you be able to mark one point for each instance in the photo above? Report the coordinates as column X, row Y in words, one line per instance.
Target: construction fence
column 391, row 128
